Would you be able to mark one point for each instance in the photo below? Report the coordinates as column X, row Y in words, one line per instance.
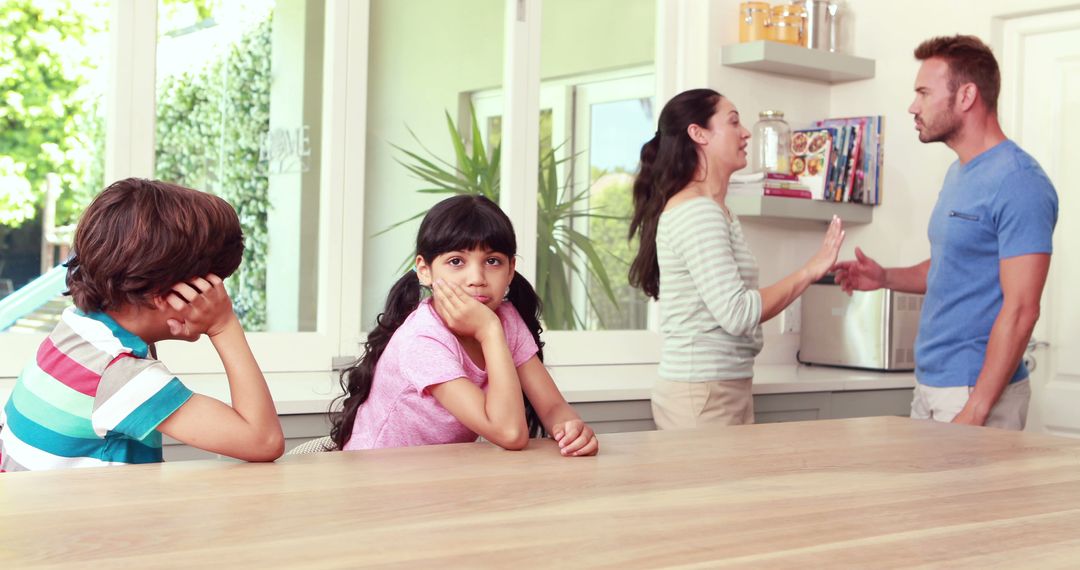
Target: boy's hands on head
column 463, row 314
column 575, row 438
column 203, row 307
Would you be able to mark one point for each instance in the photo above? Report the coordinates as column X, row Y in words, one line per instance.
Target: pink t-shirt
column 400, row 410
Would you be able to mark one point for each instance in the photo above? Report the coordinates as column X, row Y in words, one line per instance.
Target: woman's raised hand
column 825, row 257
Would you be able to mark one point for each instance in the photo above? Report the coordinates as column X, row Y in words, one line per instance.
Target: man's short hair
column 140, row 237
column 970, row 61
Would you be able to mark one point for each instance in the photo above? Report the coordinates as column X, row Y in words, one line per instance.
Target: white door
column 1041, row 111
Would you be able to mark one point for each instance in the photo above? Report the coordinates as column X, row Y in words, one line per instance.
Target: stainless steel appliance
column 869, row 329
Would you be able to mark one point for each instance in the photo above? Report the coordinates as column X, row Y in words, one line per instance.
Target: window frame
column 130, row 127
column 569, row 97
column 130, row 135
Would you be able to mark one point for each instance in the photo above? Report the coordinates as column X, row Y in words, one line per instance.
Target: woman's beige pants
column 677, row 405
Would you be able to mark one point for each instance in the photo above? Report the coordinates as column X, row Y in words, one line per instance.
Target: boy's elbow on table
column 268, row 448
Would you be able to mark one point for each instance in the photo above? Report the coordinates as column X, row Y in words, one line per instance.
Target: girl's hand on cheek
column 462, row 314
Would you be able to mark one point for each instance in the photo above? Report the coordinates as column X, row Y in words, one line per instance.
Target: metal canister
column 818, row 25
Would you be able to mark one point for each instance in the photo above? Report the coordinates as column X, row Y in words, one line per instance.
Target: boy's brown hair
column 970, row 61
column 140, row 237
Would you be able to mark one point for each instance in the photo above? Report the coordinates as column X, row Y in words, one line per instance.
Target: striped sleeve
column 703, row 240
column 135, row 396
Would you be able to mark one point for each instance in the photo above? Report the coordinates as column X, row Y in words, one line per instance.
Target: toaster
column 868, row 329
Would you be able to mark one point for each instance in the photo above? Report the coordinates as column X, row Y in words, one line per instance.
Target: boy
column 148, row 262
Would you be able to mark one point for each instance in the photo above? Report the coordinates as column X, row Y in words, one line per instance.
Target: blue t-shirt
column 999, row 205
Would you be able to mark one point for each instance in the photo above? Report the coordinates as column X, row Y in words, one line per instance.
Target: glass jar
column 770, row 143
column 753, row 21
column 786, row 24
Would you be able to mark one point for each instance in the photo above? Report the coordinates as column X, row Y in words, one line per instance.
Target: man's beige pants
column 942, row 404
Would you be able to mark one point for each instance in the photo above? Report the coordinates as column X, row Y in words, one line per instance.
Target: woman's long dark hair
column 460, row 223
column 668, row 164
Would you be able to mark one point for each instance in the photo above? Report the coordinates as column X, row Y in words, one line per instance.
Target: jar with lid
column 770, row 143
column 786, row 23
column 753, row 21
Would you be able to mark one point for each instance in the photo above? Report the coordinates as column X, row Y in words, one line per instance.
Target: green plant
column 45, row 105
column 562, row 251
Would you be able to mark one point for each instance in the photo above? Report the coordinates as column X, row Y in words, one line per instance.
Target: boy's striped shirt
column 90, row 397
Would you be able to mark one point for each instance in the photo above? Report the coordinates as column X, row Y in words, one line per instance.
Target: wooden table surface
column 870, row 492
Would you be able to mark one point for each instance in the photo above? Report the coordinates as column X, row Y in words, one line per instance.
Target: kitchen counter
column 311, row 393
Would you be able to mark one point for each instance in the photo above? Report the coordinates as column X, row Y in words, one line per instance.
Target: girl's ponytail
column 356, row 380
column 524, row 298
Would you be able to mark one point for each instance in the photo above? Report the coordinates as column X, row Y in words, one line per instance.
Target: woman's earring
column 506, row 295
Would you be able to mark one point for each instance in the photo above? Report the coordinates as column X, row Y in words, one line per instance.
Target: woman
column 692, row 248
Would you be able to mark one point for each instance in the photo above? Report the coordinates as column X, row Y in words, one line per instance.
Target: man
column 990, row 245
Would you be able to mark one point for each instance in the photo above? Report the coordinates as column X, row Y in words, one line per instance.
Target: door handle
column 1034, row 344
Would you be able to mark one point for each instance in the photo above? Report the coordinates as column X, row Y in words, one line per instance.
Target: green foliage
column 209, row 128
column 46, row 116
column 561, row 250
column 204, row 9
column 611, row 193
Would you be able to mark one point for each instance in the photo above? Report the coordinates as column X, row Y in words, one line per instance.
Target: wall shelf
column 790, row 209
column 796, row 61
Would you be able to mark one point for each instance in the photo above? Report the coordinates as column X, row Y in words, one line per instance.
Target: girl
column 467, row 360
column 692, row 249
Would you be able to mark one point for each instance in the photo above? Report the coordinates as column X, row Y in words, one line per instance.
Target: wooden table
column 870, row 492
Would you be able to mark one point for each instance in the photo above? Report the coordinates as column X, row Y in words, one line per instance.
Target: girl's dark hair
column 668, row 164
column 460, row 223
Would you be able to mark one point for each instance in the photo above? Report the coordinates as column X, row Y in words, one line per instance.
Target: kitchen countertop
column 311, row 392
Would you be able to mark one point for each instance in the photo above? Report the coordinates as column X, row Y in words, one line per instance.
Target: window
column 593, row 127
column 423, row 56
column 614, row 118
column 210, row 101
column 239, row 114
column 242, row 112
column 51, row 154
column 302, row 114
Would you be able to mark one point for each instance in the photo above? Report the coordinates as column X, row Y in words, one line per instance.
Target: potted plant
column 563, row 252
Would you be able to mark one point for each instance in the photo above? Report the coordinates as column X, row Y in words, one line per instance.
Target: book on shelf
column 856, row 172
column 812, row 157
column 768, row 184
column 788, row 192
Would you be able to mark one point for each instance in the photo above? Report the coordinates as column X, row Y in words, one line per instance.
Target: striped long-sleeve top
column 710, row 308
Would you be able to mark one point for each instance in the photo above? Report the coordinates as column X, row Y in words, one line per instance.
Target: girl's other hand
column 575, row 438
column 463, row 314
